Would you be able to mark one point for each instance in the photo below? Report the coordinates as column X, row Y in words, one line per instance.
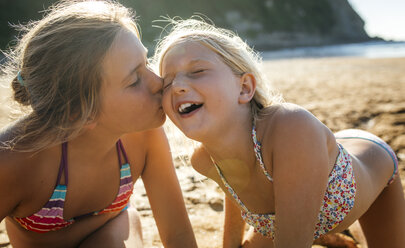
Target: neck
column 94, row 143
column 234, row 143
column 233, row 153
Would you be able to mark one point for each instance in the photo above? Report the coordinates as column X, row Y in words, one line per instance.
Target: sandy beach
column 341, row 92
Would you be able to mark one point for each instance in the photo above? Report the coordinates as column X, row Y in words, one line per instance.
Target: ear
column 90, row 125
column 247, row 88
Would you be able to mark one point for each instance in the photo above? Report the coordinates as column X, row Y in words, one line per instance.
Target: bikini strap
column 63, row 165
column 257, row 148
column 121, row 150
column 230, row 189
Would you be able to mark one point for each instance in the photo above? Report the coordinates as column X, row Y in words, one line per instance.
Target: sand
column 342, row 92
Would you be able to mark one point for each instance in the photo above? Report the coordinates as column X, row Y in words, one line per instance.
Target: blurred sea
column 371, row 49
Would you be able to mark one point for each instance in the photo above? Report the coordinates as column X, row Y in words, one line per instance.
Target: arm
column 300, row 172
column 164, row 193
column 234, row 225
column 10, row 192
column 11, row 177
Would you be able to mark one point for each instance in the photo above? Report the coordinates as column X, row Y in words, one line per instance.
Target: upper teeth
column 183, row 107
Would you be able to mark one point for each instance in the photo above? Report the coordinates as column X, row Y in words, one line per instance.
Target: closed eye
column 198, row 71
column 134, row 83
column 166, row 85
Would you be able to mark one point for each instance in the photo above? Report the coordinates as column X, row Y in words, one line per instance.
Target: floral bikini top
column 338, row 199
column 50, row 217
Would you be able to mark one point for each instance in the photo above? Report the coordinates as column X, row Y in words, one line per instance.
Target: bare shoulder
column 145, row 138
column 141, row 145
column 292, row 129
column 292, row 122
column 10, row 161
column 289, row 112
column 202, row 163
column 15, row 175
column 200, row 160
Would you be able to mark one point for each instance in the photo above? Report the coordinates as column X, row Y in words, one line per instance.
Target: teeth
column 184, row 106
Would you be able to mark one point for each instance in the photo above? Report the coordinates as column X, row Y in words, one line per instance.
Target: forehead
column 187, row 51
column 126, row 46
column 125, row 53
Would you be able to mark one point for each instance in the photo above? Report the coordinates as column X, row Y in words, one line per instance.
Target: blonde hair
column 233, row 51
column 59, row 59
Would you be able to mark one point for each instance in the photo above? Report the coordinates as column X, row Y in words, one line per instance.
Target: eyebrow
column 195, row 61
column 136, row 68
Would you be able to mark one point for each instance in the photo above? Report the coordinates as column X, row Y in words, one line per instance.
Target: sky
column 383, row 18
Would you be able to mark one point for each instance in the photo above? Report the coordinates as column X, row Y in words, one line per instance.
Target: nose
column 179, row 84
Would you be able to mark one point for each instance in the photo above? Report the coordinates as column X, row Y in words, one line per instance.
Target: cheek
column 166, row 103
column 138, row 106
column 109, row 105
column 125, row 106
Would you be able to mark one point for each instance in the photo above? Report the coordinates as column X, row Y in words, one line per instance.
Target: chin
column 196, row 135
column 163, row 120
column 158, row 122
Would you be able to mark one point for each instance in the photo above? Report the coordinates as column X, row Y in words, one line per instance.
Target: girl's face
column 200, row 92
column 131, row 93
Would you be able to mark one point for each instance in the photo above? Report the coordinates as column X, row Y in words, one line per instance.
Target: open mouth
column 186, row 108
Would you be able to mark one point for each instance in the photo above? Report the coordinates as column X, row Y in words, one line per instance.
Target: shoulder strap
column 230, row 189
column 63, row 165
column 121, row 150
column 257, row 148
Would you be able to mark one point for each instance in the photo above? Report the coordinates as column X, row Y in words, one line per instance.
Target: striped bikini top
column 50, row 217
column 338, row 199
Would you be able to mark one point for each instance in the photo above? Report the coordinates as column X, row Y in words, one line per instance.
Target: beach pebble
column 217, row 204
column 189, row 187
column 195, row 199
